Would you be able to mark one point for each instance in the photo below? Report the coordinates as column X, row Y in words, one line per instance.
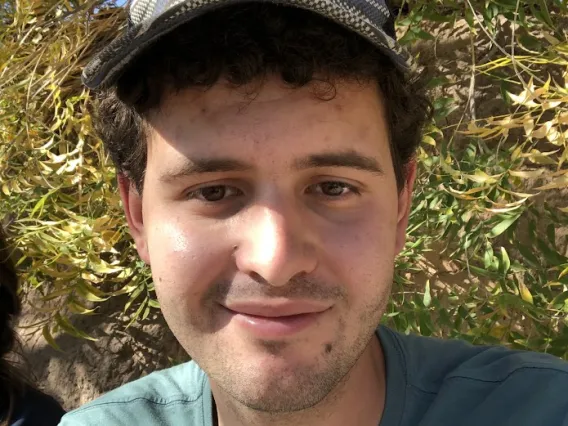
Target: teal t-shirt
column 430, row 382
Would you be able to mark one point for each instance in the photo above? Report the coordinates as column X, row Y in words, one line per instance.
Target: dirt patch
column 84, row 369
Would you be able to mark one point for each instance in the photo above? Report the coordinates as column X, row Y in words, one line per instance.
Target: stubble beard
column 304, row 387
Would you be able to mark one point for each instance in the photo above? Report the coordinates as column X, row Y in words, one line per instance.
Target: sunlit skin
column 281, row 204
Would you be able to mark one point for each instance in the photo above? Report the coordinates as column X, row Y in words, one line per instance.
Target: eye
column 215, row 193
column 333, row 189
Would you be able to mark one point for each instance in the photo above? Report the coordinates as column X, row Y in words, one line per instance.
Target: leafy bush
column 486, row 256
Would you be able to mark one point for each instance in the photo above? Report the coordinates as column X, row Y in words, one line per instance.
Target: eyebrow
column 204, row 165
column 348, row 159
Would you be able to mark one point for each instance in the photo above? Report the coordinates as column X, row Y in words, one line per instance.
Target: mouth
column 273, row 321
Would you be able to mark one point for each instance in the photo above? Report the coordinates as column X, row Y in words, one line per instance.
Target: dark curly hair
column 11, row 382
column 246, row 43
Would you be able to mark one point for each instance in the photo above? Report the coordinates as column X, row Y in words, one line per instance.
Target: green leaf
column 90, row 293
column 39, row 206
column 552, row 257
column 502, row 226
column 421, row 34
column 58, row 293
column 141, row 287
column 528, row 255
column 153, row 303
column 427, row 299
column 78, row 308
column 558, row 301
column 46, row 332
column 483, row 272
column 71, row 329
column 544, row 12
column 138, row 313
column 487, row 259
column 551, row 234
column 424, row 321
column 506, row 262
column 437, row 81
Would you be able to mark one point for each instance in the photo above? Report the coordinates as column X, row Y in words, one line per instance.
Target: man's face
column 271, row 224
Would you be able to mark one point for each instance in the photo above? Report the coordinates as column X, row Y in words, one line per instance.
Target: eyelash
column 351, row 188
column 234, row 192
column 197, row 192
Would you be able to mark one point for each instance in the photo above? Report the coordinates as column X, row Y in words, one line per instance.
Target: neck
column 358, row 399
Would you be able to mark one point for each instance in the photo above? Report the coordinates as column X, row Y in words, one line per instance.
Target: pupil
column 214, row 193
column 332, row 188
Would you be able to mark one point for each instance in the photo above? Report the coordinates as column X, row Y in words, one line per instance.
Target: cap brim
column 106, row 67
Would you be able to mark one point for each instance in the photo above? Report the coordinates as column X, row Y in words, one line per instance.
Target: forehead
column 269, row 120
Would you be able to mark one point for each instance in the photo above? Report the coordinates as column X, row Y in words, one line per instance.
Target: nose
column 275, row 246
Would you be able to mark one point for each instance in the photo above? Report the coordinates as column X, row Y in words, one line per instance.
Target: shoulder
column 451, row 378
column 159, row 397
column 430, row 360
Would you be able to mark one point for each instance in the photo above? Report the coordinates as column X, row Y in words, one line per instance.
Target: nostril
column 258, row 278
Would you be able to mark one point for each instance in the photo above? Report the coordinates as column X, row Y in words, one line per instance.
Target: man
column 265, row 154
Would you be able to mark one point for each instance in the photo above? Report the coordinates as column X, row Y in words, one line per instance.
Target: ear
column 132, row 203
column 404, row 203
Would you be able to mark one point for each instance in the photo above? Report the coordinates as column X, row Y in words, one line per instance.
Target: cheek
column 185, row 260
column 361, row 254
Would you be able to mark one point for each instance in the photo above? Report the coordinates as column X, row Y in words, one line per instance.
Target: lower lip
column 275, row 327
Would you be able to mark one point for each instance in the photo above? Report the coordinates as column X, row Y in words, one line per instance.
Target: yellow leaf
column 56, row 125
column 100, row 223
column 526, row 97
column 516, row 194
column 561, row 182
column 91, row 277
column 481, row 177
column 507, row 205
column 540, row 157
column 507, row 123
column 498, row 331
column 525, row 293
column 542, row 131
column 473, row 128
column 429, row 140
column 551, row 39
column 502, row 210
column 111, row 237
column 526, row 174
column 516, row 153
column 104, row 268
column 554, row 136
column 468, row 192
column 544, row 89
column 5, row 189
column 550, row 104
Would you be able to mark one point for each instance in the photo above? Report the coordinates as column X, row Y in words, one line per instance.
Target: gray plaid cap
column 151, row 19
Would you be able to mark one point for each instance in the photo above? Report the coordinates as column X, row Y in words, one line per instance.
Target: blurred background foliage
column 486, row 255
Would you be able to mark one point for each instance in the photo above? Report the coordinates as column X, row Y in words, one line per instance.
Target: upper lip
column 275, row 309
